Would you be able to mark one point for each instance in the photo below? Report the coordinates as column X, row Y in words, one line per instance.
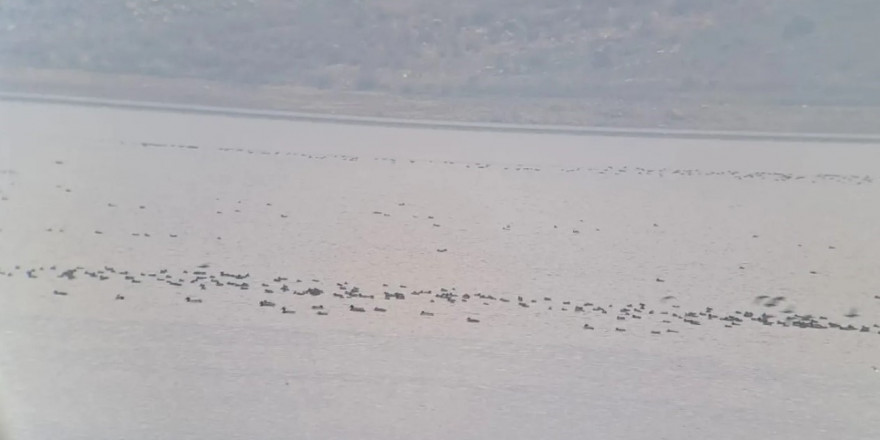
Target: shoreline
column 326, row 118
column 684, row 114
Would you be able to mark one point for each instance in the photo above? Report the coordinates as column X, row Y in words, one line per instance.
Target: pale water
column 693, row 230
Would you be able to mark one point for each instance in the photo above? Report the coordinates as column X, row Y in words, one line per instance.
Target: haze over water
column 660, row 233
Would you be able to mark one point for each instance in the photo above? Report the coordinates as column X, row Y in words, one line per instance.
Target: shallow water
column 609, row 221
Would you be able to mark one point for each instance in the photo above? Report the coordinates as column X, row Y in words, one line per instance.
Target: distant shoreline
column 436, row 124
column 684, row 114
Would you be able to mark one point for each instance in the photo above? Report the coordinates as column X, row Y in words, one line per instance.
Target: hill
column 676, row 60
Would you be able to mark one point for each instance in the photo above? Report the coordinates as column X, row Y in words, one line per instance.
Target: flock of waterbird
column 291, row 296
column 853, row 179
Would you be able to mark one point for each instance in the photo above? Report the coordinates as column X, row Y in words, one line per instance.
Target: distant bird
column 760, row 298
column 193, row 300
column 469, row 319
column 853, row 313
column 660, row 280
column 379, row 309
column 353, row 308
column 287, row 311
column 120, row 297
column 667, row 298
column 775, row 301
column 424, row 313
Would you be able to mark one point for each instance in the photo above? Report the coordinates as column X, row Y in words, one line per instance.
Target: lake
column 528, row 285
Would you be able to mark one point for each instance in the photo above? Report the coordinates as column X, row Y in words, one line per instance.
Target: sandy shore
column 530, row 286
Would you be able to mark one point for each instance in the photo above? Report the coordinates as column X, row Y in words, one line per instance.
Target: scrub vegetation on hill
column 773, row 52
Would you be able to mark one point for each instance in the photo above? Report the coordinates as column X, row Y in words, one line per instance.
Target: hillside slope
column 768, row 52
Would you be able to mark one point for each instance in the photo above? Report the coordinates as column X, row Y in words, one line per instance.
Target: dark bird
column 287, row 311
column 353, row 308
column 424, row 313
column 469, row 319
column 193, row 300
column 853, row 313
